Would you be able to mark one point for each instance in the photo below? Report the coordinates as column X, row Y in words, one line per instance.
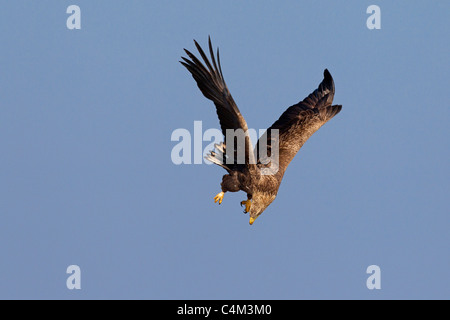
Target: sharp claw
column 219, row 197
column 248, row 204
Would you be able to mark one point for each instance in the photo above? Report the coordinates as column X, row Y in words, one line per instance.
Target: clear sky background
column 86, row 176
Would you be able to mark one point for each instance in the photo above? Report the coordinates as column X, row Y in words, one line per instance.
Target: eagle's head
column 260, row 201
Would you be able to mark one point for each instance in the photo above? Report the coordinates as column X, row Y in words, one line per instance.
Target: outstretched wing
column 299, row 122
column 212, row 84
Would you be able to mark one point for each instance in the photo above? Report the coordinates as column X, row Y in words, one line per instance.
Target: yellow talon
column 219, row 197
column 248, row 204
column 252, row 220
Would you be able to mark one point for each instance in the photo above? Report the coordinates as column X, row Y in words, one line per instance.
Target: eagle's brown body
column 254, row 175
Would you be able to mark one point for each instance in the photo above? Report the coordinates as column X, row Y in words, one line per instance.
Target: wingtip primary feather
column 328, row 82
column 327, row 76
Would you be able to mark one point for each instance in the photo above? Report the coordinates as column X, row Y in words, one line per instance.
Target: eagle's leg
column 229, row 183
column 219, row 197
column 247, row 203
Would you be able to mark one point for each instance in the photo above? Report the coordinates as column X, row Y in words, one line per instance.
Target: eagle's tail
column 218, row 157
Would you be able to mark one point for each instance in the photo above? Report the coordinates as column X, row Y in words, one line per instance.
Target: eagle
column 257, row 173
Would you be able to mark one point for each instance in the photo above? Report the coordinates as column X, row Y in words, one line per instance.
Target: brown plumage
column 259, row 175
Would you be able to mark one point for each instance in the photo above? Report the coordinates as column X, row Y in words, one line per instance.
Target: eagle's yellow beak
column 252, row 220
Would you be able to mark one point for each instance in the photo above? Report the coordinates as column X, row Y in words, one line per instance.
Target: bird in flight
column 257, row 173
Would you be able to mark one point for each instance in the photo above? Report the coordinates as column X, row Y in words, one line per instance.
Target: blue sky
column 86, row 118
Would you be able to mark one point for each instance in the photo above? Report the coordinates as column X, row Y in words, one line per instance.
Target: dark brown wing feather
column 211, row 83
column 299, row 122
